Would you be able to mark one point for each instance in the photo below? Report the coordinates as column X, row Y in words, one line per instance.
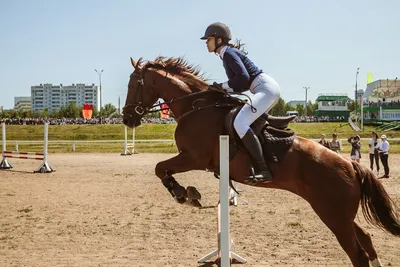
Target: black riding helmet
column 218, row 30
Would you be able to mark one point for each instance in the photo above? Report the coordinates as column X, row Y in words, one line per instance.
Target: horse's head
column 140, row 98
column 168, row 78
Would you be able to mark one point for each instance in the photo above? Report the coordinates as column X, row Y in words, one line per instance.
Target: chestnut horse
column 332, row 185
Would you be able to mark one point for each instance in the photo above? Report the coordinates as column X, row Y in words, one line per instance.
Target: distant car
column 290, row 113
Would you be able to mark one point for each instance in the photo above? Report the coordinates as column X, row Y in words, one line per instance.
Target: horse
column 334, row 186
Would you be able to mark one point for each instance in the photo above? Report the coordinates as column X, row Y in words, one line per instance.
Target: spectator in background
column 334, row 145
column 355, row 153
column 323, row 141
column 384, row 154
column 374, row 144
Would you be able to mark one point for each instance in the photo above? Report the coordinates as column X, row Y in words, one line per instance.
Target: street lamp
column 355, row 95
column 101, row 116
column 119, row 104
column 305, row 104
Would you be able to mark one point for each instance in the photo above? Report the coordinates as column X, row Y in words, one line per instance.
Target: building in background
column 294, row 103
column 53, row 97
column 333, row 106
column 22, row 103
column 382, row 100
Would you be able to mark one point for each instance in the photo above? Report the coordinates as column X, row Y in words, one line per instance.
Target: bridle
column 139, row 108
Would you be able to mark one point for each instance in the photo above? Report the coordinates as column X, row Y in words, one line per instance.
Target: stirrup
column 259, row 178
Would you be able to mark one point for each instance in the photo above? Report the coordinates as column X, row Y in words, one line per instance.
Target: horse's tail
column 377, row 207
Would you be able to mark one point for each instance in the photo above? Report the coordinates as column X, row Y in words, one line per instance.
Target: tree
column 95, row 113
column 14, row 114
column 35, row 113
column 44, row 113
column 5, row 114
column 152, row 115
column 25, row 113
column 352, row 105
column 70, row 111
column 288, row 108
column 310, row 109
column 108, row 110
column 300, row 109
column 279, row 108
column 55, row 114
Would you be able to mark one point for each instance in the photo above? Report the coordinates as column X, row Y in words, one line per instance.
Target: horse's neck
column 183, row 97
column 176, row 93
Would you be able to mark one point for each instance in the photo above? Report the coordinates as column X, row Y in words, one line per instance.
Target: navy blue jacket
column 240, row 70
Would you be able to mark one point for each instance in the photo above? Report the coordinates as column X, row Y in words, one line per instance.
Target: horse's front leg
column 180, row 163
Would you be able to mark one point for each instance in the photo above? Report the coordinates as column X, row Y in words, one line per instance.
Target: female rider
column 244, row 75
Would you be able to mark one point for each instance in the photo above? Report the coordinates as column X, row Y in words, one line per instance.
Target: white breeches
column 264, row 93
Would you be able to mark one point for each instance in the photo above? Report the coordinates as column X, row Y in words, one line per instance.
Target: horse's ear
column 134, row 64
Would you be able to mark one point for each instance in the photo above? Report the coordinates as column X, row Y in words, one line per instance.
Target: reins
column 141, row 110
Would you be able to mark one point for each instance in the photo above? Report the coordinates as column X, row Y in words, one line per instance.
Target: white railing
column 74, row 143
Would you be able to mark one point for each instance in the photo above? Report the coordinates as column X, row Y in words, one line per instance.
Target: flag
column 369, row 78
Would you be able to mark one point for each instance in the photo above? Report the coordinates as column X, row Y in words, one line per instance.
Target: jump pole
column 44, row 168
column 4, row 163
column 224, row 241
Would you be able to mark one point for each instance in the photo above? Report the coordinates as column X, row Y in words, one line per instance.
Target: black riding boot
column 253, row 146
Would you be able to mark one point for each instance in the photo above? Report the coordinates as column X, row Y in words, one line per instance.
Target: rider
column 243, row 75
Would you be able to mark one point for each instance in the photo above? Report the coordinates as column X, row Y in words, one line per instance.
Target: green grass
column 158, row 131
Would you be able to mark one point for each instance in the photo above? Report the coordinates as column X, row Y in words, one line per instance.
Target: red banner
column 87, row 111
column 87, row 114
column 87, row 106
column 164, row 113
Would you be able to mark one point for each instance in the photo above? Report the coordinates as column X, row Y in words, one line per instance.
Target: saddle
column 273, row 132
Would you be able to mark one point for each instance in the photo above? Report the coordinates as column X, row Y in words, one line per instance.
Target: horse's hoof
column 180, row 200
column 192, row 193
column 179, row 191
column 194, row 203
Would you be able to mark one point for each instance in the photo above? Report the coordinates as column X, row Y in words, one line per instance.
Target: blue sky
column 300, row 43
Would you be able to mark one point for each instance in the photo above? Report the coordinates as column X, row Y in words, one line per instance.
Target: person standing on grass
column 334, row 145
column 355, row 148
column 323, row 141
column 384, row 155
column 374, row 144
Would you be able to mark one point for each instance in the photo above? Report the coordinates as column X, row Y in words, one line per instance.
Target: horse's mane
column 186, row 72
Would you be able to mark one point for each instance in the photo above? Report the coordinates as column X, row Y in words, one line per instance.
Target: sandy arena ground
column 110, row 210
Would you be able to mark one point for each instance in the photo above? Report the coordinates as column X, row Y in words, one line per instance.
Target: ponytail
column 238, row 45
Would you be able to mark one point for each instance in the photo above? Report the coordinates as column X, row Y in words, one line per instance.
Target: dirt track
column 109, row 210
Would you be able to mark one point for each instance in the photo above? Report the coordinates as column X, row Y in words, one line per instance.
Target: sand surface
column 111, row 210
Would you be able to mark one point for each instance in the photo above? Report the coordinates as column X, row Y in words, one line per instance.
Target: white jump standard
column 224, row 241
column 129, row 149
column 44, row 168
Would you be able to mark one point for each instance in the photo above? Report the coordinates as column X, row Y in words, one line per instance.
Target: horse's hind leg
column 347, row 238
column 364, row 239
column 180, row 163
column 340, row 222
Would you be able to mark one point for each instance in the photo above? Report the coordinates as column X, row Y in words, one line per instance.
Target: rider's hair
column 238, row 45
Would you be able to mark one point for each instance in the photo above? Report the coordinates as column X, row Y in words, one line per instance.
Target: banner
column 369, row 78
column 164, row 113
column 87, row 111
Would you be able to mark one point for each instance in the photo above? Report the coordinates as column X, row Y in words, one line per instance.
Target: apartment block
column 53, row 97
